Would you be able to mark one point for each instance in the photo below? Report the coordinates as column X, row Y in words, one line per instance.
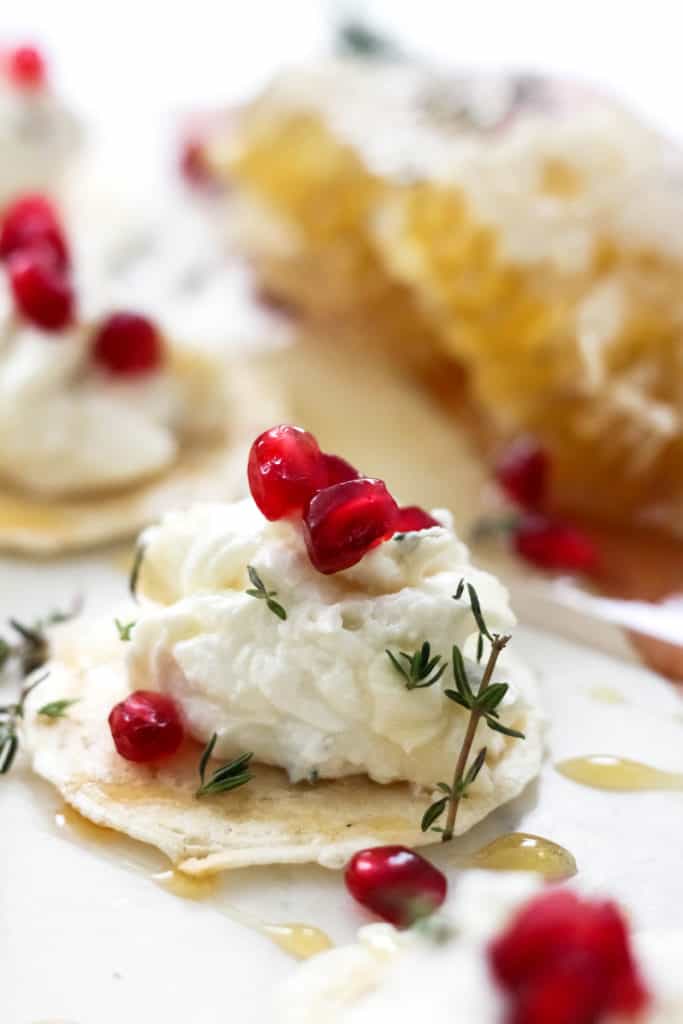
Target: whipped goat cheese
column 68, row 428
column 316, row 693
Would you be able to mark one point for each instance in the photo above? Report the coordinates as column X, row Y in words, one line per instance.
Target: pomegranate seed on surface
column 343, row 522
column 26, row 67
column 193, row 163
column 395, row 883
column 146, row 726
column 127, row 344
column 285, row 468
column 32, row 221
column 412, row 518
column 522, row 471
column 560, row 952
column 338, row 470
column 41, row 290
column 552, row 544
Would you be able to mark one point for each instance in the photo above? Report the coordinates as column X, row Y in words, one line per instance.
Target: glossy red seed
column 127, row 344
column 555, row 545
column 557, row 928
column 412, row 517
column 343, row 522
column 146, row 726
column 26, row 67
column 285, row 468
column 32, row 221
column 41, row 290
column 338, row 470
column 395, row 883
column 522, row 471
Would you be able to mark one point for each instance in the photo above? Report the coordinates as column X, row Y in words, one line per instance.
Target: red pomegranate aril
column 555, row 545
column 32, row 221
column 395, row 883
column 127, row 344
column 522, row 471
column 412, row 518
column 26, row 67
column 42, row 291
column 338, row 470
column 285, row 468
column 146, row 726
column 343, row 522
column 555, row 933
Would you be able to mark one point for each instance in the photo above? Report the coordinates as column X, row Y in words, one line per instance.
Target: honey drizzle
column 523, row 851
column 618, row 774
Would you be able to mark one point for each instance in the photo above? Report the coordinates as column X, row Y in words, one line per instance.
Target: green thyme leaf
column 260, row 592
column 57, row 708
column 8, row 749
column 5, row 651
column 460, row 675
column 124, row 629
column 477, row 613
column 444, row 787
column 497, row 726
column 135, row 571
column 492, row 696
column 475, row 767
column 480, row 646
column 433, row 813
column 459, row 590
column 458, row 698
column 421, row 668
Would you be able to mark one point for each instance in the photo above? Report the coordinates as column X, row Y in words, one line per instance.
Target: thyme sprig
column 10, row 717
column 420, row 667
column 261, row 593
column 229, row 776
column 22, row 652
column 481, row 702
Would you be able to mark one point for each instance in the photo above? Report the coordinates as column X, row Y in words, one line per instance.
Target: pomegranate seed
column 559, row 944
column 412, row 518
column 32, row 221
column 42, row 290
column 395, row 883
column 26, row 67
column 338, row 470
column 127, row 344
column 193, row 163
column 343, row 522
column 555, row 545
column 522, row 472
column 285, row 469
column 146, row 726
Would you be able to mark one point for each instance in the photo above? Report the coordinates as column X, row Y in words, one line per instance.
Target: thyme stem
column 498, row 644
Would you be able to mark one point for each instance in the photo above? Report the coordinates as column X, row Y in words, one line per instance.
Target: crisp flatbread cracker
column 213, row 469
column 267, row 821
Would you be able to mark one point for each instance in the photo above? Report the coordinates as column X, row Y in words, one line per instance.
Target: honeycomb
column 578, row 341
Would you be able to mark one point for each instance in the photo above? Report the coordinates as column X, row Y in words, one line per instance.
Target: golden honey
column 523, row 851
column 619, row 774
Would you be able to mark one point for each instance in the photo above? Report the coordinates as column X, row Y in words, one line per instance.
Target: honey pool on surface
column 523, row 851
column 299, row 940
column 619, row 774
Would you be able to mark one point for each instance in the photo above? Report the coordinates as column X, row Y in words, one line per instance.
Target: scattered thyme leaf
column 10, row 715
column 229, row 776
column 124, row 629
column 57, row 708
column 477, row 613
column 433, row 813
column 261, row 593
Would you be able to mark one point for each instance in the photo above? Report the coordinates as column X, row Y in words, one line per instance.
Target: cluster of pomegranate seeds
column 564, row 960
column 127, row 344
column 395, row 883
column 343, row 522
column 146, row 726
column 26, row 68
column 344, row 514
column 523, row 472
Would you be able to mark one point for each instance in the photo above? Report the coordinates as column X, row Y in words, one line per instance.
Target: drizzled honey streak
column 528, row 242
